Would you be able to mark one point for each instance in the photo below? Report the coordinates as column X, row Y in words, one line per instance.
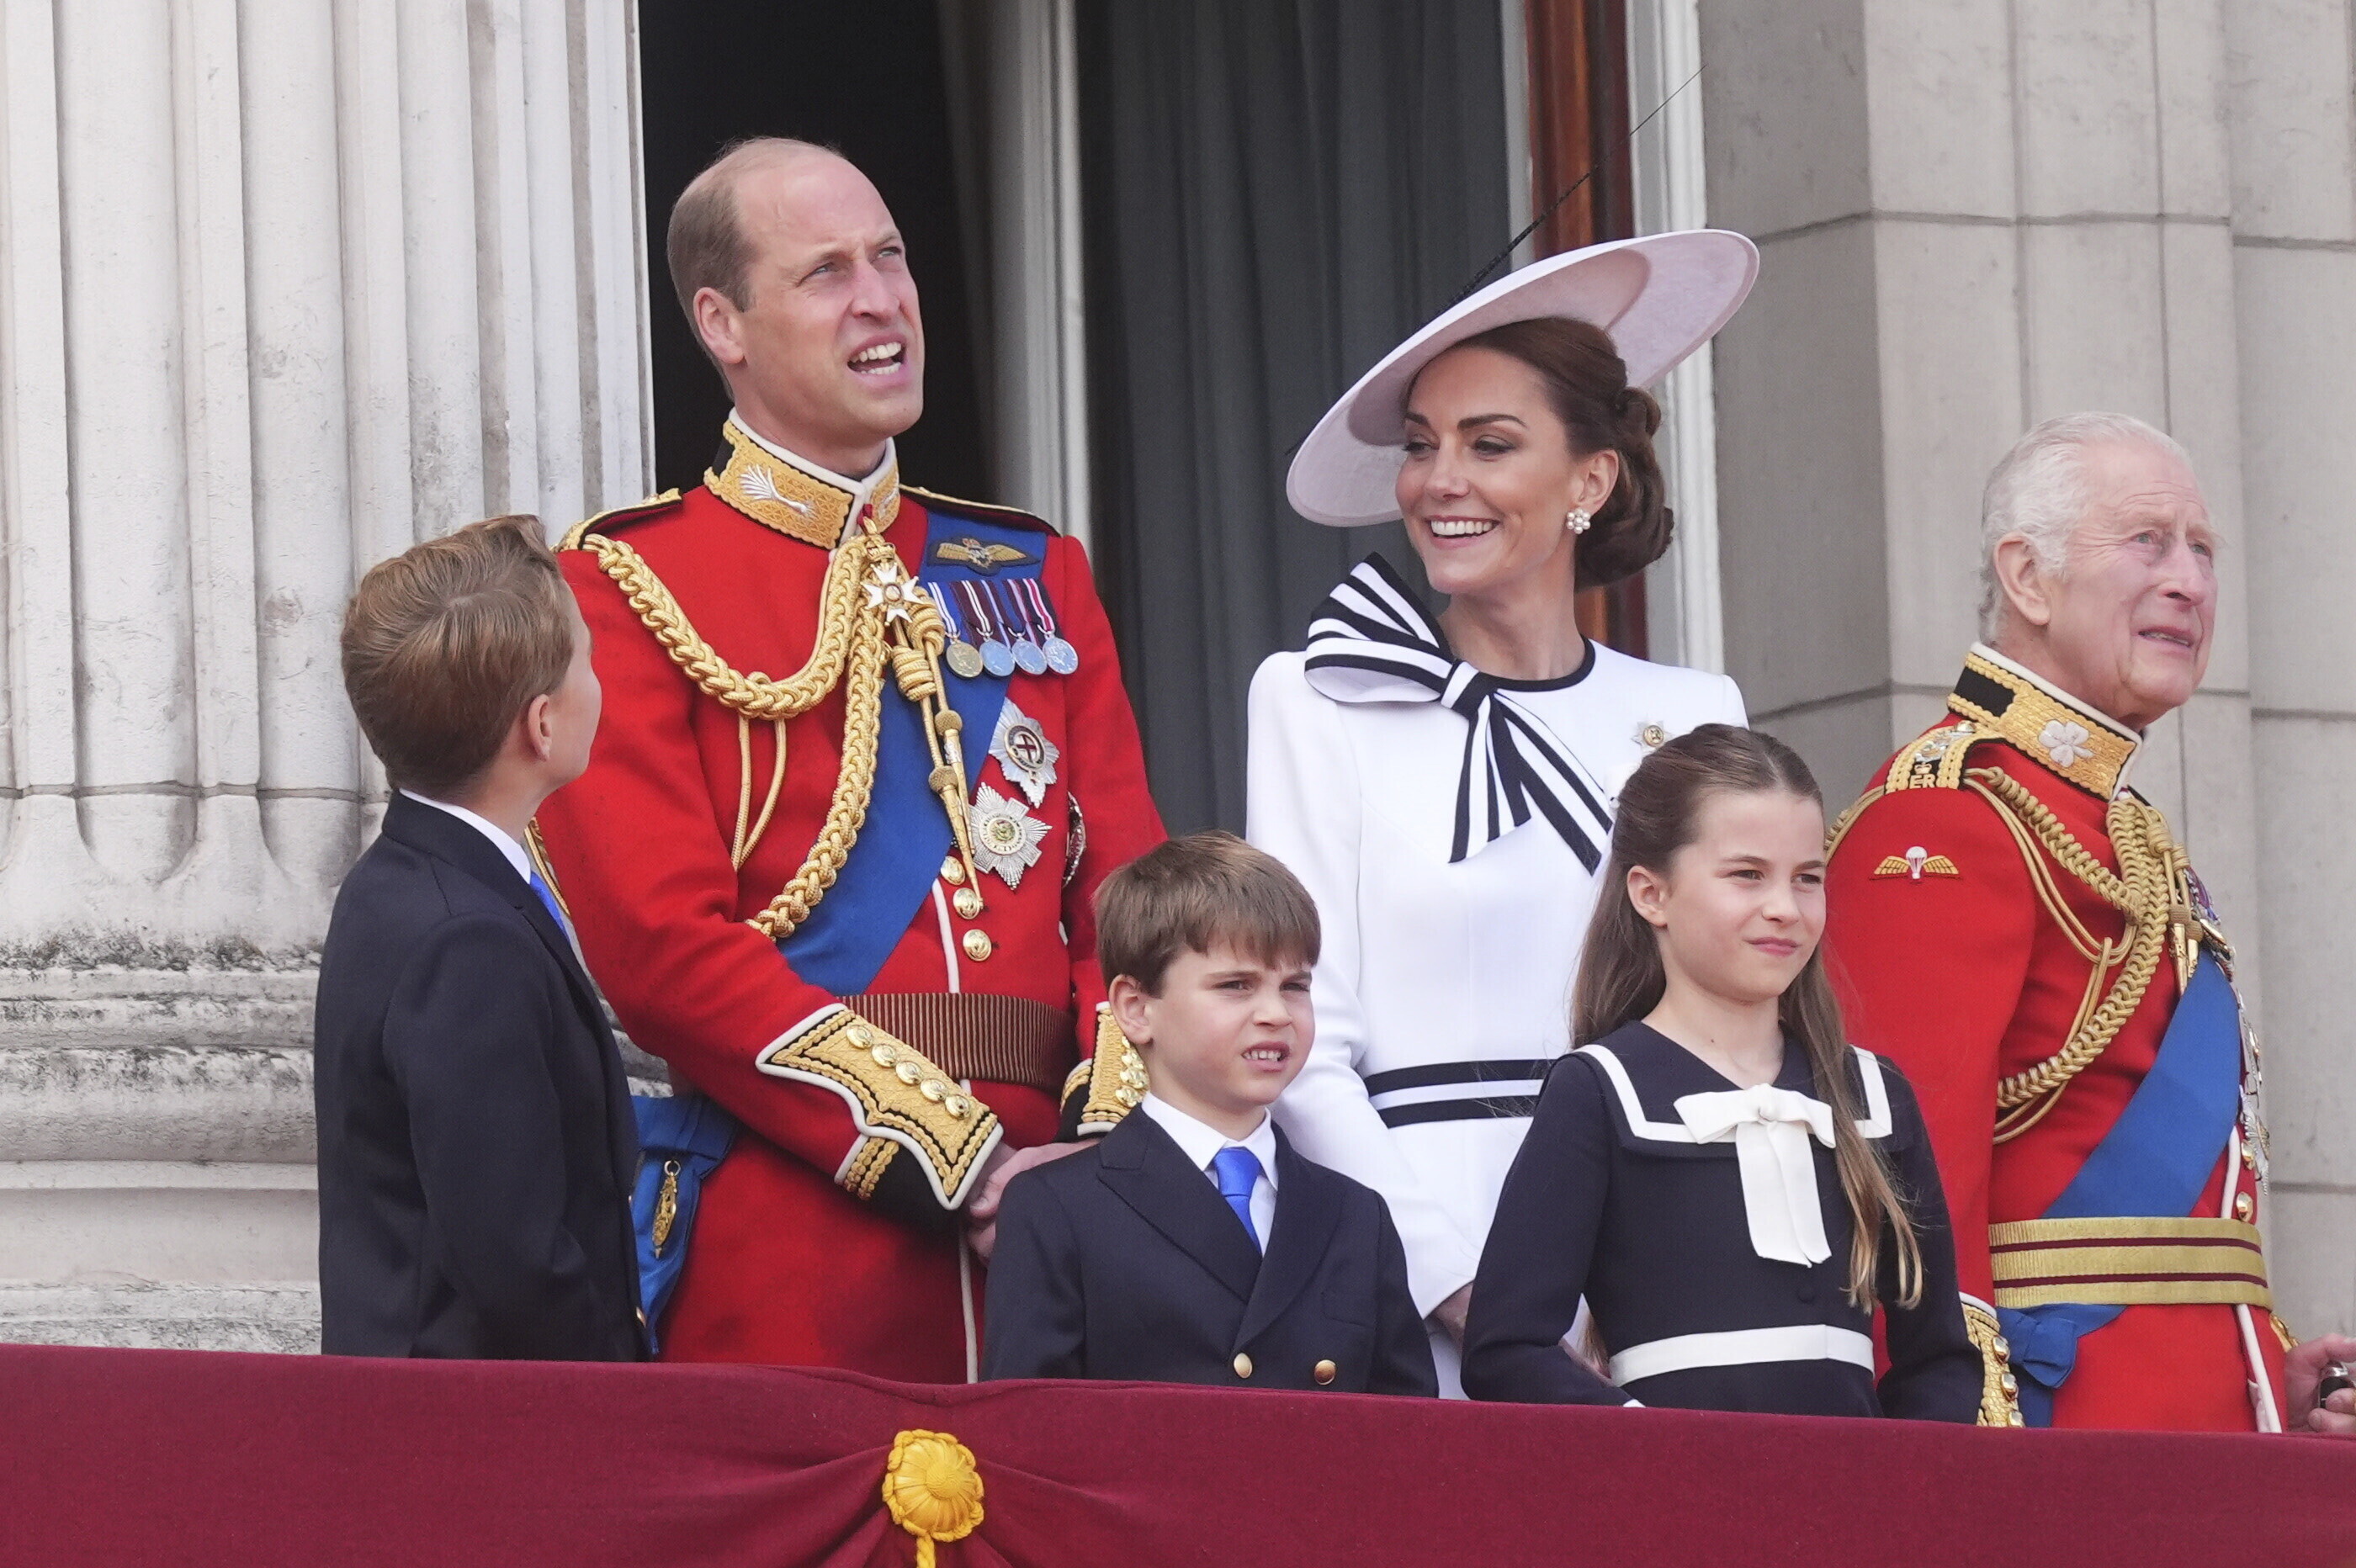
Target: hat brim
column 1660, row 297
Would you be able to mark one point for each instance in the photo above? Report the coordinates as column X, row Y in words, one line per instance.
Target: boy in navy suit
column 1190, row 1243
column 476, row 1146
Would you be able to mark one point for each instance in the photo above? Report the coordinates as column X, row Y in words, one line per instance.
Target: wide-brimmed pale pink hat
column 1660, row 296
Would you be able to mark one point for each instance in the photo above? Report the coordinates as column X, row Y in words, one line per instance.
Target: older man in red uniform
column 2019, row 931
column 866, row 756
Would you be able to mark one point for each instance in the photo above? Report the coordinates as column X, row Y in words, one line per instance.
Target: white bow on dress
column 1770, row 1129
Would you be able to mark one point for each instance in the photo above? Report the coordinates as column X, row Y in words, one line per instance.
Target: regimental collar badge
column 984, row 556
column 796, row 496
column 1006, row 837
column 1916, row 864
column 1023, row 750
column 2003, row 699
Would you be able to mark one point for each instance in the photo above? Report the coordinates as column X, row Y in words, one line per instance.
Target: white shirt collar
column 1198, row 1141
column 861, row 491
column 517, row 854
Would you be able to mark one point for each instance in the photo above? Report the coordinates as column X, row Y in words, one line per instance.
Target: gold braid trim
column 2145, row 890
column 865, row 599
column 1999, row 1389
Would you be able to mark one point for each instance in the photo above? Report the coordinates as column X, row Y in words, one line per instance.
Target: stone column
column 2294, row 192
column 1976, row 214
column 285, row 287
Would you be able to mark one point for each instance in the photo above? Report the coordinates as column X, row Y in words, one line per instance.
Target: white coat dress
column 1443, row 988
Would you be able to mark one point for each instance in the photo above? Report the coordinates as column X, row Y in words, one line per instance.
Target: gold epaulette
column 898, row 1099
column 1116, row 1076
column 990, row 510
column 619, row 516
column 1999, row 1389
column 1935, row 760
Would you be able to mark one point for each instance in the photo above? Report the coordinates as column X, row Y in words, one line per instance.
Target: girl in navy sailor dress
column 1734, row 1189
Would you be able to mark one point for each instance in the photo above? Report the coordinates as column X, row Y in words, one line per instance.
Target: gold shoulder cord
column 869, row 616
column 2149, row 889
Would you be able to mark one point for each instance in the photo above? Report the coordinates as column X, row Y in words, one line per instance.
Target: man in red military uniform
column 2020, row 932
column 866, row 757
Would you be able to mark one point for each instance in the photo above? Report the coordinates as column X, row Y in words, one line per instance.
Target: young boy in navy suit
column 476, row 1146
column 1190, row 1243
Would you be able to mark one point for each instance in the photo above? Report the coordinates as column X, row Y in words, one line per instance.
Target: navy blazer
column 1124, row 1261
column 477, row 1144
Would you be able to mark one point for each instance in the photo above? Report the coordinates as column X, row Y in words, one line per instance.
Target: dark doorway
column 866, row 79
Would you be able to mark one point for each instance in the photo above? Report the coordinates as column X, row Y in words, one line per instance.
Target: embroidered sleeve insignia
column 1916, row 864
column 983, row 556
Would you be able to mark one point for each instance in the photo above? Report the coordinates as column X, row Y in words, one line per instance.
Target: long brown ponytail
column 1621, row 977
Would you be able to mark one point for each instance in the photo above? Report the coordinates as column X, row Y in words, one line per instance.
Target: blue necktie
column 1235, row 1168
column 548, row 900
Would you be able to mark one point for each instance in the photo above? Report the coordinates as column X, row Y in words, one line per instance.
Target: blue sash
column 884, row 881
column 691, row 1134
column 2155, row 1161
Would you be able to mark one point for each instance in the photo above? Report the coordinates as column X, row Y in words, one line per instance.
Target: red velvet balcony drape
column 156, row 1459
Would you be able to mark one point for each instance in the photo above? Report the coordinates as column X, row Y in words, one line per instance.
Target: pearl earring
column 1576, row 520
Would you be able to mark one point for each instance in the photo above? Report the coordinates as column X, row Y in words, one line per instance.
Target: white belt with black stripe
column 1458, row 1090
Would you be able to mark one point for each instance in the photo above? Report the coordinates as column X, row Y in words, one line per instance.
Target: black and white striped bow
column 1370, row 642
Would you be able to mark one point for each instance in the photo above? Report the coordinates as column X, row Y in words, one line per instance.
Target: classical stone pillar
column 2294, row 188
column 285, row 287
column 1974, row 214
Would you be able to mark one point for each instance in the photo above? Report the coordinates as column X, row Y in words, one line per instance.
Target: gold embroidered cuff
column 895, row 1096
column 1999, row 1389
column 1116, row 1076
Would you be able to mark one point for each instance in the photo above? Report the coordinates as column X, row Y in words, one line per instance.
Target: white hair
column 2039, row 491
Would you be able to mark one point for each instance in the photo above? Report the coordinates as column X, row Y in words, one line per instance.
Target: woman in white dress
column 1445, row 788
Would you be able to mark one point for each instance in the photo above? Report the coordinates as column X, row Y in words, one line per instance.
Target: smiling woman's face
column 1489, row 476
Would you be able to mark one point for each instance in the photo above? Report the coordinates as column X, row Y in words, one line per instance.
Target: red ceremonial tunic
column 787, row 1263
column 1961, row 975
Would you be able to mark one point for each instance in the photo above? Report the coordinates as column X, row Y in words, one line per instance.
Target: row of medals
column 991, row 637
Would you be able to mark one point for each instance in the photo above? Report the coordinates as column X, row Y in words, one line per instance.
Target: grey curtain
column 1276, row 192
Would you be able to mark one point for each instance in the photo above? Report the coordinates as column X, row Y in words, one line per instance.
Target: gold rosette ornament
column 932, row 1489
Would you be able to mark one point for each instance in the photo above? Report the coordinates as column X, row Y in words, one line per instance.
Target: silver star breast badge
column 1005, row 837
column 1025, row 754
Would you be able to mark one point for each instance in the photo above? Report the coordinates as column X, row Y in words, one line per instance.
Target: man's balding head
column 795, row 282
column 706, row 244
